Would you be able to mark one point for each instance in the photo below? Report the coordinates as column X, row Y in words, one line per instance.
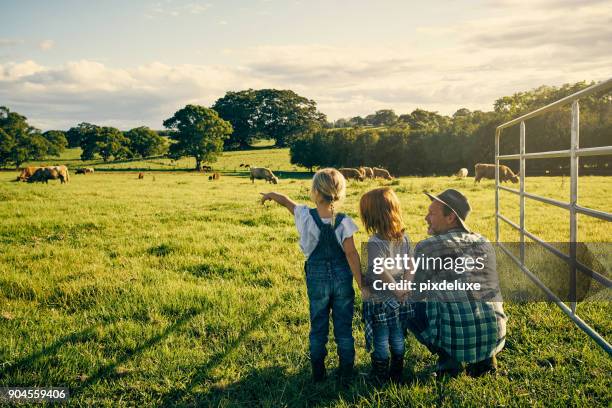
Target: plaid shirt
column 383, row 313
column 468, row 331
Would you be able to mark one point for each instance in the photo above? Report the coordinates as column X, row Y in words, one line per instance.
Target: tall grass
column 182, row 291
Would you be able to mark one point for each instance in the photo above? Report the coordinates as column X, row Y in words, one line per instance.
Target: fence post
column 574, row 199
column 497, row 135
column 522, row 190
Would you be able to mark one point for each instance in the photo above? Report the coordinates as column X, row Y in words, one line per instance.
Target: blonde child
column 326, row 239
column 382, row 313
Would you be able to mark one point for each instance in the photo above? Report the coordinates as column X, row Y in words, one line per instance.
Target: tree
column 240, row 109
column 57, row 141
column 145, row 142
column 106, row 141
column 198, row 132
column 276, row 114
column 384, row 117
column 20, row 142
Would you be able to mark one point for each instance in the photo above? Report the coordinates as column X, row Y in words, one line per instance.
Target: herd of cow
column 486, row 171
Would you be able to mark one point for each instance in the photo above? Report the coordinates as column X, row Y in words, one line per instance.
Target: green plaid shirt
column 468, row 331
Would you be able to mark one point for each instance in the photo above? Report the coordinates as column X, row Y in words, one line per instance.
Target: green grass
column 175, row 290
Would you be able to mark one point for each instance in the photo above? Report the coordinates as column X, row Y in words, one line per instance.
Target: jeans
column 330, row 288
column 387, row 336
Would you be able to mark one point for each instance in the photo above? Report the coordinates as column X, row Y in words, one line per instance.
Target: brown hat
column 457, row 202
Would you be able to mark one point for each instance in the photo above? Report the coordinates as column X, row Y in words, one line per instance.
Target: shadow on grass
column 25, row 363
column 108, row 371
column 274, row 386
column 202, row 373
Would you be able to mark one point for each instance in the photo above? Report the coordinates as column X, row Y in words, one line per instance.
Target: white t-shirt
column 309, row 232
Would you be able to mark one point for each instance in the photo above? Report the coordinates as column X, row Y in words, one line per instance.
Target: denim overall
column 330, row 287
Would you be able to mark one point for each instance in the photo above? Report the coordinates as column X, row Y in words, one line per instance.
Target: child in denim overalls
column 383, row 313
column 326, row 238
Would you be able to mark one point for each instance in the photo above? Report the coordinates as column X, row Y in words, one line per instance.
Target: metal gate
column 574, row 153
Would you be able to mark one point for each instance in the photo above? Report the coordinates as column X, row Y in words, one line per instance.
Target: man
column 467, row 328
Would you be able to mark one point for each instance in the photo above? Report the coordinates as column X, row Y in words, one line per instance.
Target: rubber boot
column 397, row 368
column 346, row 372
column 318, row 370
column 486, row 366
column 447, row 366
column 380, row 370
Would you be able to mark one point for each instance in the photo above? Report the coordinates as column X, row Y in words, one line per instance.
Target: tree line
column 420, row 142
column 427, row 143
column 234, row 121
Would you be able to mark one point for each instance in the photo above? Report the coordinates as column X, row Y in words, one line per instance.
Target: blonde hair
column 328, row 185
column 381, row 213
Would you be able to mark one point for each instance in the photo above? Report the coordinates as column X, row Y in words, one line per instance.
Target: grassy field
column 175, row 290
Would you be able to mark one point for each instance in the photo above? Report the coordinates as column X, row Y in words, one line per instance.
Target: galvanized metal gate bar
column 574, row 153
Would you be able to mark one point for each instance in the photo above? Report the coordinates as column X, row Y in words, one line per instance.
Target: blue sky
column 131, row 63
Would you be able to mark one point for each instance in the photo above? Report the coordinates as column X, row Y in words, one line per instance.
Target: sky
column 129, row 64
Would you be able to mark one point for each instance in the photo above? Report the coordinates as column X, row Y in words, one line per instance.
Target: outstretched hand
column 265, row 197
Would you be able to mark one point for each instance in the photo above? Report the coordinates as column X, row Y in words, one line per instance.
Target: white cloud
column 489, row 58
column 9, row 42
column 170, row 9
column 46, row 45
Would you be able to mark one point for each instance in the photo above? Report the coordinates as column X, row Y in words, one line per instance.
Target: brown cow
column 369, row 173
column 263, row 173
column 215, row 176
column 350, row 173
column 382, row 173
column 27, row 172
column 63, row 171
column 44, row 174
column 487, row 171
column 140, row 176
column 85, row 170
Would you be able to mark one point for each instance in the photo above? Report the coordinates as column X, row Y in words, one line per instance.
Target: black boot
column 380, row 370
column 397, row 368
column 486, row 366
column 346, row 372
column 318, row 370
column 447, row 366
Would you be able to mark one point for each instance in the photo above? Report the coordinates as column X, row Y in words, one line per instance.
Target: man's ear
column 454, row 219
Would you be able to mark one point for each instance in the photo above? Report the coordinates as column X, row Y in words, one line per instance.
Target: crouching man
column 464, row 326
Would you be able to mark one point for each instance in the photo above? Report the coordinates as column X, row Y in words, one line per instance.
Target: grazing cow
column 350, row 173
column 63, row 171
column 26, row 173
column 140, row 176
column 461, row 173
column 262, row 173
column 215, row 176
column 369, row 173
column 84, row 170
column 382, row 173
column 44, row 174
column 487, row 171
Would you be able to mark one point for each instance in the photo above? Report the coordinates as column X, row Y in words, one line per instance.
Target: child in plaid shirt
column 382, row 312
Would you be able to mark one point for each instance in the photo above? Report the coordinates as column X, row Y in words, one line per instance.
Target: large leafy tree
column 145, row 142
column 105, row 141
column 198, row 132
column 384, row 117
column 240, row 109
column 57, row 141
column 76, row 134
column 20, row 142
column 281, row 115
